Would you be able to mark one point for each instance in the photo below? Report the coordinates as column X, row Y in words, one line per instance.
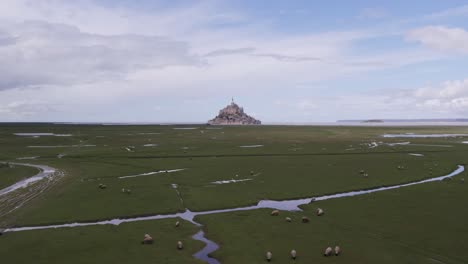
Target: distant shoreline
column 431, row 120
column 345, row 123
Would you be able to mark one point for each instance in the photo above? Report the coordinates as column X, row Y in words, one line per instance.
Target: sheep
column 337, row 250
column 288, row 219
column 328, row 252
column 275, row 213
column 251, row 172
column 305, row 219
column 180, row 245
column 320, row 211
column 293, row 254
column 147, row 239
column 102, row 186
column 361, row 172
column 177, row 224
column 269, row 256
column 462, row 180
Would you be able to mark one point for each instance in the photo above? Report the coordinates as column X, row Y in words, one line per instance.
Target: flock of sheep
column 124, row 190
column 328, row 251
column 147, row 239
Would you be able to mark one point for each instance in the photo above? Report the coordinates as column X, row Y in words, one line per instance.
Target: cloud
column 42, row 53
column 23, row 108
column 441, row 38
column 224, row 52
column 445, row 100
column 450, row 97
column 6, row 39
column 282, row 57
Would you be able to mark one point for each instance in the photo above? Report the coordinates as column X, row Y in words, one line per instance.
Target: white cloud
column 57, row 54
column 441, row 38
column 451, row 96
column 447, row 100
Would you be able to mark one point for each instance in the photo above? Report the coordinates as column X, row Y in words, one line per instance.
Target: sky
column 182, row 61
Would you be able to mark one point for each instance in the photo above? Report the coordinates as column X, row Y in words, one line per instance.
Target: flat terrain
column 417, row 224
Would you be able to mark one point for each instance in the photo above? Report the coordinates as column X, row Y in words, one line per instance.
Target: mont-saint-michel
column 233, row 114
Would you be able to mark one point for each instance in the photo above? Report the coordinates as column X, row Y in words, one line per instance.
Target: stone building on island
column 233, row 114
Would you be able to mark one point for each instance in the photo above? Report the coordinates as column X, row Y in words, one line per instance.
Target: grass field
column 276, row 162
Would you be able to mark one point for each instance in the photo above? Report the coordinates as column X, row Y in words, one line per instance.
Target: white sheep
column 305, row 219
column 328, row 252
column 275, row 212
column 147, row 239
column 269, row 256
column 180, row 245
column 288, row 219
column 293, row 254
column 337, row 250
column 320, row 211
column 177, row 224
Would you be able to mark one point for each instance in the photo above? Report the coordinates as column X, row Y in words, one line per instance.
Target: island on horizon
column 233, row 114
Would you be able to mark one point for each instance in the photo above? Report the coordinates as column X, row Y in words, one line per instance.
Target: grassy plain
column 293, row 162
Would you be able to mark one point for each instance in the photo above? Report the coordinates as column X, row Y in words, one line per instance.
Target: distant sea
column 376, row 123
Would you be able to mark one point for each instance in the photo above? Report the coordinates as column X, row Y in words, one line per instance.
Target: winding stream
column 286, row 205
column 45, row 171
column 209, row 248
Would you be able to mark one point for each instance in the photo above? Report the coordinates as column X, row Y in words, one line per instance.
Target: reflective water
column 42, row 134
column 45, row 171
column 63, row 146
column 151, row 173
column 230, row 181
column 209, row 248
column 410, row 135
